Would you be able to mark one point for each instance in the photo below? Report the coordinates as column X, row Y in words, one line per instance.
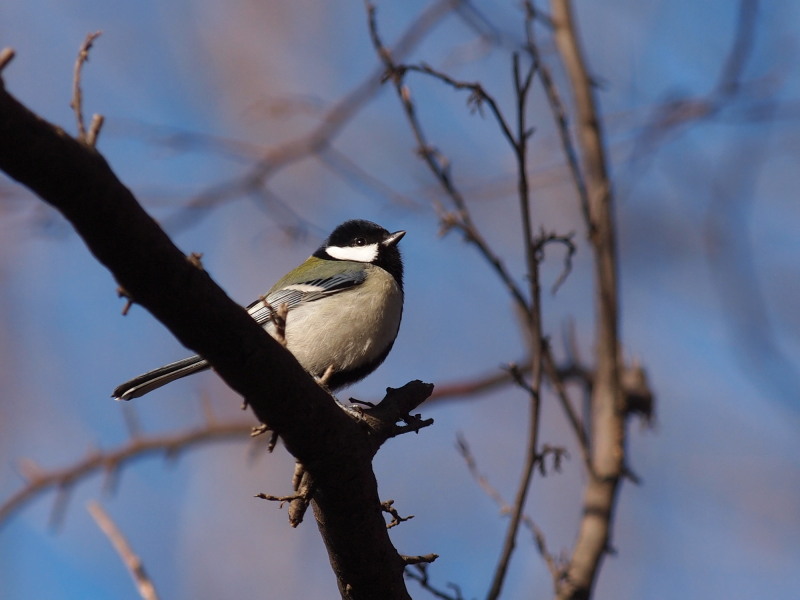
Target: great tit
column 344, row 305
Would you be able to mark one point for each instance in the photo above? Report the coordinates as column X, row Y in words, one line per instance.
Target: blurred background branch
column 133, row 563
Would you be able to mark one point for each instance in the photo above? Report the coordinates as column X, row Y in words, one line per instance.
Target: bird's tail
column 141, row 385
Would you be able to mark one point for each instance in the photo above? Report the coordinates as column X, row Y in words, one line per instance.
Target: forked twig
column 460, row 217
column 77, row 95
column 518, row 140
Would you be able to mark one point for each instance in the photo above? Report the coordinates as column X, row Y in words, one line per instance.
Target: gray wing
column 302, row 292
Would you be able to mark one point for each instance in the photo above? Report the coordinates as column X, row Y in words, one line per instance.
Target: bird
column 338, row 313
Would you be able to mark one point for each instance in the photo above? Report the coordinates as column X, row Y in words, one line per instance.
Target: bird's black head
column 365, row 241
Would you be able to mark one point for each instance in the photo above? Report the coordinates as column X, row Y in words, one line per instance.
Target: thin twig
column 279, row 499
column 505, row 508
column 461, row 389
column 558, row 111
column 388, row 507
column 94, row 129
column 575, row 423
column 460, row 218
column 566, row 240
column 478, row 97
column 144, row 584
column 470, row 387
column 519, row 142
column 6, row 56
column 419, row 559
column 39, row 481
column 77, row 95
column 420, row 574
column 304, row 487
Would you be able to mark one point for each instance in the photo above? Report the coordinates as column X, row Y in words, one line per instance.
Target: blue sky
column 709, row 280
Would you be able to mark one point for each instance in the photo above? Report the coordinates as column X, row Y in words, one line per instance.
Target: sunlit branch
column 607, row 400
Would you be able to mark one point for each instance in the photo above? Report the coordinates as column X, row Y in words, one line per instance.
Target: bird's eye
column 360, row 241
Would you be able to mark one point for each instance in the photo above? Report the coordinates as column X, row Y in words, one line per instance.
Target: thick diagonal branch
column 76, row 180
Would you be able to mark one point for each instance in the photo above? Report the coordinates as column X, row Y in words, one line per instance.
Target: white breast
column 370, row 314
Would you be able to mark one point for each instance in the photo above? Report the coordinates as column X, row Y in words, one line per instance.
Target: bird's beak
column 393, row 239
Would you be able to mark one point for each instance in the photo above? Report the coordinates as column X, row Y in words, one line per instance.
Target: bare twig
column 131, row 560
column 299, row 502
column 280, row 499
column 77, row 95
column 558, row 111
column 505, row 508
column 303, row 485
column 519, row 378
column 259, row 430
column 419, row 559
column 572, row 417
column 388, row 507
column 420, row 574
column 519, row 143
column 483, row 384
column 123, row 293
column 6, row 56
column 460, row 218
column 566, row 240
column 39, row 481
column 468, row 388
column 480, row 478
column 382, row 418
column 476, row 100
column 94, row 129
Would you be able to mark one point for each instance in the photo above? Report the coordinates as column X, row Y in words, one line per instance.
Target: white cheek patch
column 363, row 254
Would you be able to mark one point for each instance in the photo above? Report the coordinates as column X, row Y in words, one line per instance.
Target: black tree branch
column 334, row 448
